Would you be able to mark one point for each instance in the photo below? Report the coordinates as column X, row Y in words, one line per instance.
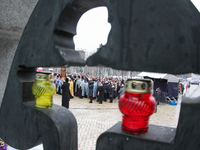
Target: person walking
column 65, row 94
column 187, row 86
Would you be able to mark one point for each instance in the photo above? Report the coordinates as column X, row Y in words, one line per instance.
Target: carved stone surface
column 44, row 42
column 159, row 36
column 116, row 138
column 154, row 35
column 8, row 45
column 14, row 16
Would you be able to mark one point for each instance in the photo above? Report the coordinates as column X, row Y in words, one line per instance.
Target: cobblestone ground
column 93, row 119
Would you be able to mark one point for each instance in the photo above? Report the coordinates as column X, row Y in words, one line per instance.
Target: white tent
column 168, row 77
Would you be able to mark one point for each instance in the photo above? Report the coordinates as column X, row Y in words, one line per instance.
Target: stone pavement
column 94, row 118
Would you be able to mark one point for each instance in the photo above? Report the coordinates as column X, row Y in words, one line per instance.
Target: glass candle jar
column 2, row 145
column 137, row 104
column 43, row 88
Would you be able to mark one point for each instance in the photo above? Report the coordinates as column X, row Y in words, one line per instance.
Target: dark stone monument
column 151, row 35
column 47, row 40
column 146, row 35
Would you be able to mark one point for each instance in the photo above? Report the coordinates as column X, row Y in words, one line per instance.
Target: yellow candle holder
column 43, row 89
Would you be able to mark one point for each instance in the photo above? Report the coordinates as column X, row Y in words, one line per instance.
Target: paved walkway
column 93, row 119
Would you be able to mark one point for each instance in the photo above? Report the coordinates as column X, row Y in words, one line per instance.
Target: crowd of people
column 92, row 87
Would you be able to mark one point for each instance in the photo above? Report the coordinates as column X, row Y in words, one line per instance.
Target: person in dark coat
column 106, row 91
column 90, row 85
column 157, row 97
column 100, row 90
column 118, row 88
column 182, row 88
column 74, row 81
column 65, row 93
column 112, row 92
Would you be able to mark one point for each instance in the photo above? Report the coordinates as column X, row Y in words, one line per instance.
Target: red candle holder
column 137, row 104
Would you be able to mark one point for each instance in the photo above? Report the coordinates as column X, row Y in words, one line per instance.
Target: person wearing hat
column 65, row 93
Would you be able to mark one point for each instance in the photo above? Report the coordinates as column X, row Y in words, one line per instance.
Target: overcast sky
column 197, row 4
column 93, row 28
column 91, row 24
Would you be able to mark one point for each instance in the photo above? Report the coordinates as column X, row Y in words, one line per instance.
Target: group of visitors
column 94, row 88
column 91, row 87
